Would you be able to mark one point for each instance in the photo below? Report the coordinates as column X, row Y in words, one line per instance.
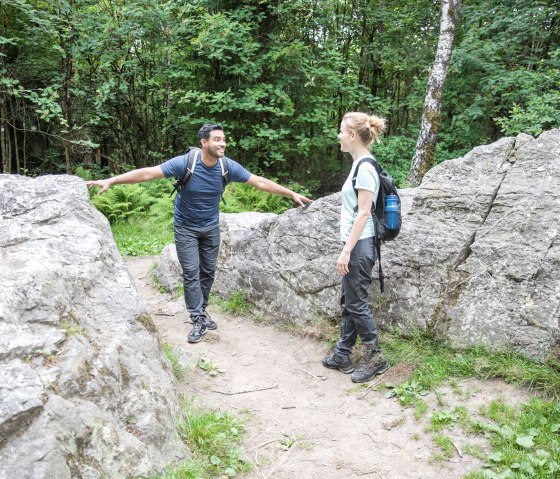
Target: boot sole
column 346, row 370
column 381, row 370
column 193, row 340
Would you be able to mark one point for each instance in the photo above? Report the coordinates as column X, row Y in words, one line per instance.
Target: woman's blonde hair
column 368, row 127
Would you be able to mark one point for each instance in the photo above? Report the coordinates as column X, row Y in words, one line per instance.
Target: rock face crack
column 466, row 251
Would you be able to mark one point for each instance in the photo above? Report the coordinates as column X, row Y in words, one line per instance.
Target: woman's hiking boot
column 209, row 322
column 199, row 329
column 342, row 363
column 373, row 363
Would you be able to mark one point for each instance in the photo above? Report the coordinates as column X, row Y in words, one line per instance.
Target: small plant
column 236, row 304
column 407, row 392
column 475, row 450
column 206, row 365
column 213, row 436
column 443, row 419
column 445, row 444
column 173, row 355
column 288, row 442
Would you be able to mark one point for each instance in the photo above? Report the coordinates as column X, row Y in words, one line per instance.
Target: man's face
column 215, row 145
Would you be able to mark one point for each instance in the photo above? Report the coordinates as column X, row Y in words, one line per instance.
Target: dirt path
column 306, row 421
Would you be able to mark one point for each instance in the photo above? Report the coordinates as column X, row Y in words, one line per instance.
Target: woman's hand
column 342, row 262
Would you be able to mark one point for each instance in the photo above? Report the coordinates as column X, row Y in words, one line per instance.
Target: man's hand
column 102, row 184
column 300, row 199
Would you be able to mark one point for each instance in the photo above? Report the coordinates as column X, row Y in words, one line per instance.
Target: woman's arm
column 365, row 199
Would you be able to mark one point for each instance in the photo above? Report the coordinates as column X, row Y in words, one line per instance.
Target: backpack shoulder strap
column 190, row 165
column 372, row 162
column 224, row 166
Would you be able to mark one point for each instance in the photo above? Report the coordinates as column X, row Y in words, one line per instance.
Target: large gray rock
column 477, row 260
column 84, row 388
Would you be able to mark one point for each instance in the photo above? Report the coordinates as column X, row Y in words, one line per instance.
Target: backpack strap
column 224, row 166
column 190, row 165
column 373, row 163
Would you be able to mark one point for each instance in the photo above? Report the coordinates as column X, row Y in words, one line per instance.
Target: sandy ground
column 305, row 421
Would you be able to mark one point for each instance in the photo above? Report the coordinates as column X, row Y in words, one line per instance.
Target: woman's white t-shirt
column 367, row 179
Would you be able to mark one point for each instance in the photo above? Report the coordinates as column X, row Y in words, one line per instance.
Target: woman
column 355, row 263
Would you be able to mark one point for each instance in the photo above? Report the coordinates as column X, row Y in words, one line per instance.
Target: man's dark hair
column 204, row 132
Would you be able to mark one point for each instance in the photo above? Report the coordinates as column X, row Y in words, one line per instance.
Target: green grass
column 213, row 437
column 525, row 440
column 173, row 355
column 445, row 444
column 142, row 236
column 236, row 304
column 434, row 362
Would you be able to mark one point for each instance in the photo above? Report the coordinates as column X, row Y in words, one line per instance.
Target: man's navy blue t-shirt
column 198, row 203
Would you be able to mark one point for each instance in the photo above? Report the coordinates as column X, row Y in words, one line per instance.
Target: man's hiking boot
column 199, row 329
column 372, row 364
column 341, row 363
column 209, row 322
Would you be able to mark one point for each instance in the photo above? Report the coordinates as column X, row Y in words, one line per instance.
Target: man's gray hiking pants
column 197, row 250
column 356, row 315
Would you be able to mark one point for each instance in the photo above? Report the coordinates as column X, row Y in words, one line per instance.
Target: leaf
column 215, row 460
column 525, row 441
column 496, row 457
column 230, row 472
column 555, row 428
column 507, row 432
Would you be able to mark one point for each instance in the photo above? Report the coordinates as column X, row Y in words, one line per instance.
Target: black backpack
column 190, row 164
column 386, row 187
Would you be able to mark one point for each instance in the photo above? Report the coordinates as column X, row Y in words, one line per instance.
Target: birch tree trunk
column 424, row 156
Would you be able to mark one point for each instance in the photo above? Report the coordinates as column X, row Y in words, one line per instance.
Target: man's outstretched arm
column 134, row 176
column 270, row 187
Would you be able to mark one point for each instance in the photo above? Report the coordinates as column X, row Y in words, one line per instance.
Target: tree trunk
column 424, row 156
column 4, row 135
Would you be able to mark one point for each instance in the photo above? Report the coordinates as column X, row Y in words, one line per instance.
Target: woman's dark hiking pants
column 357, row 319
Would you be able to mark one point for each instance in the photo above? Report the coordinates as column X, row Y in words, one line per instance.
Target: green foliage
column 395, row 154
column 173, row 355
column 525, row 440
column 407, row 392
column 141, row 215
column 213, row 436
column 241, row 197
column 278, row 75
column 504, row 72
column 142, row 235
column 121, row 202
column 236, row 304
column 434, row 362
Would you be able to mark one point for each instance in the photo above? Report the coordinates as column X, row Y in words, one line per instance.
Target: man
column 196, row 215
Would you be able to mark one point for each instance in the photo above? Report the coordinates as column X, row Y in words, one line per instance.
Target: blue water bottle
column 392, row 212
